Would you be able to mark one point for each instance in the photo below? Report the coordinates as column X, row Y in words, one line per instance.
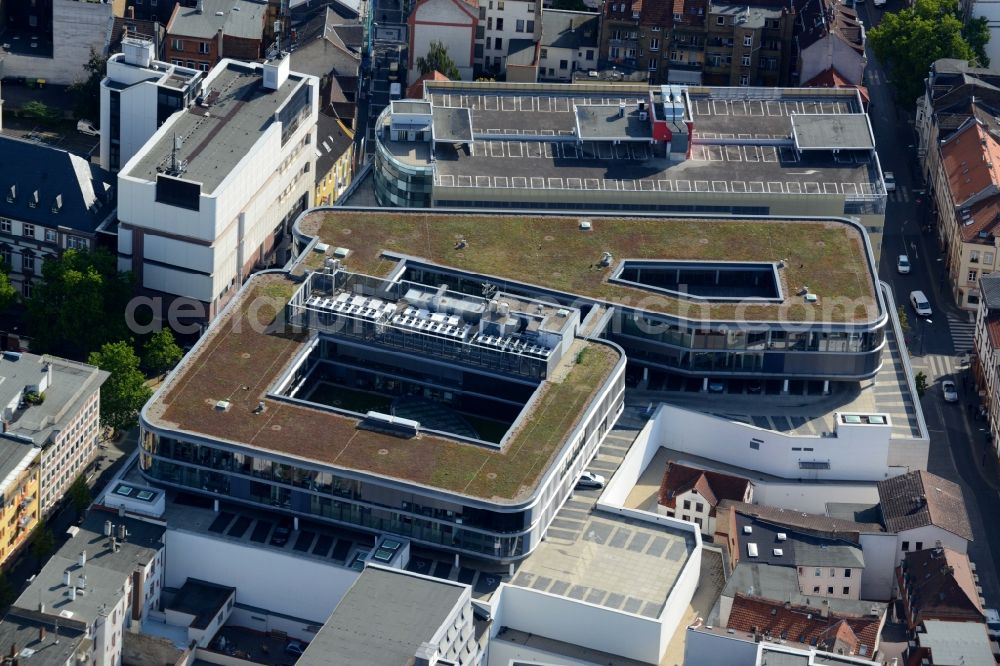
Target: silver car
column 949, row 391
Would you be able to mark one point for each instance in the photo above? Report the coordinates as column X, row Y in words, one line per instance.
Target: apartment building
column 212, row 193
column 986, row 361
column 924, row 511
column 51, row 201
column 505, row 27
column 938, row 584
column 20, row 512
column 692, row 494
column 101, row 583
column 569, row 44
column 51, row 40
column 138, row 94
column 731, row 44
column 601, row 146
column 203, row 34
column 53, row 404
column 967, row 192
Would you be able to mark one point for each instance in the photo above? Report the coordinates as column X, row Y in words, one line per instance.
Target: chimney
column 83, row 558
column 824, row 608
column 41, row 634
column 131, row 13
column 122, row 533
column 13, row 650
column 67, row 578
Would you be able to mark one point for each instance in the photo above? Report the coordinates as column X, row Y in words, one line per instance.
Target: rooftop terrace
column 213, row 140
column 238, row 361
column 554, row 253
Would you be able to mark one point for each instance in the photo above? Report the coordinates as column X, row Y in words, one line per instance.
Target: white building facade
column 212, row 194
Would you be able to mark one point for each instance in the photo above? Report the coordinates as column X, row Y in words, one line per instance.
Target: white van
column 920, row 303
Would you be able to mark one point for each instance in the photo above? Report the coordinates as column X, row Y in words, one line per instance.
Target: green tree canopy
column 8, row 295
column 87, row 91
column 125, row 391
column 437, row 58
column 43, row 542
column 79, row 493
column 79, row 305
column 911, row 39
column 161, row 352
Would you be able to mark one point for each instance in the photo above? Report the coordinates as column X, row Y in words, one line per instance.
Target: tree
column 904, row 320
column 79, row 305
column 125, row 391
column 87, row 91
column 977, row 33
column 79, row 494
column 160, row 353
column 911, row 39
column 40, row 112
column 8, row 295
column 437, row 58
column 7, row 595
column 921, row 381
column 42, row 542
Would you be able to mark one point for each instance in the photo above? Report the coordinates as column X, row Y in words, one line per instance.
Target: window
column 27, row 263
column 531, row 9
column 972, row 276
column 563, row 64
column 498, row 44
column 545, row 53
column 720, row 20
column 202, row 47
column 500, row 5
column 829, row 590
column 26, row 290
column 670, row 514
column 654, row 44
column 847, row 591
column 482, row 12
column 920, row 545
column 5, row 225
column 50, row 236
column 833, row 573
column 500, row 23
column 686, row 518
column 745, row 61
column 203, row 66
column 178, row 44
column 652, row 65
column 531, row 26
column 699, row 507
column 747, row 40
column 974, row 257
column 698, row 520
column 614, row 53
column 5, row 256
column 818, row 572
column 744, row 80
column 847, row 573
column 906, row 546
column 28, row 230
column 755, row 445
column 489, row 43
column 988, row 258
column 590, row 54
column 687, row 504
column 489, row 23
column 519, row 25
column 816, row 589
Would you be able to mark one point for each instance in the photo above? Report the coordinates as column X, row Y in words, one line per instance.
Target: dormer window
column 12, row 194
column 57, row 204
column 33, row 201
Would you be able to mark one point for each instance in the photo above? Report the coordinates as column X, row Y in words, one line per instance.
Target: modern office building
column 211, row 195
column 604, row 147
column 138, row 94
column 54, row 405
column 453, row 397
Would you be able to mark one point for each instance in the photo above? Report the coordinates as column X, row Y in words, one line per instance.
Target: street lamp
column 923, row 333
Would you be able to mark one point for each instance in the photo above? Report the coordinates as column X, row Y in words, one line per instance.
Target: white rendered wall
column 880, row 564
column 928, row 537
column 830, row 578
column 707, row 649
column 296, row 586
column 443, row 21
column 855, row 454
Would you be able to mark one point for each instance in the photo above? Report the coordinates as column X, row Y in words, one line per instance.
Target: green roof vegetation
column 828, row 256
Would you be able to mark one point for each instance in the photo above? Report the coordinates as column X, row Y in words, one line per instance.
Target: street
column 937, row 344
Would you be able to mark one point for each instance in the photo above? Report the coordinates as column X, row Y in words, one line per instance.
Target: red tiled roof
column 941, row 586
column 416, row 89
column 919, row 499
column 831, row 78
column 971, row 159
column 801, row 624
column 713, row 486
column 993, row 329
column 658, row 13
column 984, row 217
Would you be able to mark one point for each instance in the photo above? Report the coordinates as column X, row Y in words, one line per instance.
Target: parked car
column 903, row 264
column 590, row 481
column 281, row 534
column 949, row 391
column 920, row 303
column 87, row 127
column 295, row 647
column 888, row 176
column 715, row 386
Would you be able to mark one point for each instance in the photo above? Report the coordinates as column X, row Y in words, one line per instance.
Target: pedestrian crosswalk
column 963, row 332
column 901, row 194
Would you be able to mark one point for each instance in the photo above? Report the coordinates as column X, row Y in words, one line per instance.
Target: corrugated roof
column 919, row 499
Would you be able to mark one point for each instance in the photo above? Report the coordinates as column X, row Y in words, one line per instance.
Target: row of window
column 520, row 25
column 974, row 257
column 29, row 230
column 178, row 45
column 203, row 66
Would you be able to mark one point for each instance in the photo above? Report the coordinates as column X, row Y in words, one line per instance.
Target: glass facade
column 382, row 505
column 398, row 184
